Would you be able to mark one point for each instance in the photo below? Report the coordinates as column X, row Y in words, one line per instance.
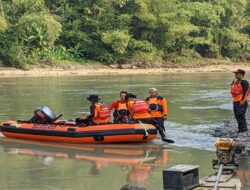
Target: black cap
column 241, row 71
column 93, row 97
column 130, row 95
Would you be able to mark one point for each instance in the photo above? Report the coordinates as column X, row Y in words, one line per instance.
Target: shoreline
column 87, row 70
column 229, row 129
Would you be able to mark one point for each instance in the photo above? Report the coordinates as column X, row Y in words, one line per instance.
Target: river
column 197, row 104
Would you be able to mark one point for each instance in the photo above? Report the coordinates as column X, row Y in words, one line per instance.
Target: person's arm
column 129, row 106
column 92, row 112
column 113, row 105
column 164, row 107
column 245, row 87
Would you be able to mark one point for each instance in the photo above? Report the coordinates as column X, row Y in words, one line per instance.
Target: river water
column 197, row 104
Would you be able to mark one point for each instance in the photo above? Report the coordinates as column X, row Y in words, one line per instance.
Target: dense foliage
column 123, row 31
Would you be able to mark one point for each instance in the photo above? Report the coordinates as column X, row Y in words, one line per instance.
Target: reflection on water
column 48, row 165
column 135, row 161
column 197, row 103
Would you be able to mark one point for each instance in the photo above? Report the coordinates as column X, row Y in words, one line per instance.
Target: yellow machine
column 224, row 152
column 227, row 151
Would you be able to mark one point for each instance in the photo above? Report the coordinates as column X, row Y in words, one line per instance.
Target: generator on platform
column 227, row 151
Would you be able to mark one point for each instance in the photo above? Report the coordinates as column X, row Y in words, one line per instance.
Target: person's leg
column 236, row 114
column 123, row 119
column 160, row 121
column 242, row 117
column 90, row 122
column 115, row 117
column 79, row 121
column 86, row 122
column 154, row 122
column 159, row 124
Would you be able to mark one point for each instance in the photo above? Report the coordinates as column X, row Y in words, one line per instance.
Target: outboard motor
column 44, row 114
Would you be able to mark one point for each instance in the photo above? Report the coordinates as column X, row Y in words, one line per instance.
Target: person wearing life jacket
column 157, row 106
column 121, row 112
column 99, row 112
column 138, row 110
column 240, row 92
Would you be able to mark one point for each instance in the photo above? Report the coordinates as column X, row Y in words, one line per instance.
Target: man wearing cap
column 99, row 112
column 240, row 92
column 157, row 107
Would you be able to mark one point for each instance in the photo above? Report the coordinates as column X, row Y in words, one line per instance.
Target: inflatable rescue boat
column 45, row 126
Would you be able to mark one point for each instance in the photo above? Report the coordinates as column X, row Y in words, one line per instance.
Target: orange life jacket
column 122, row 110
column 102, row 113
column 122, row 106
column 155, row 104
column 139, row 107
column 237, row 92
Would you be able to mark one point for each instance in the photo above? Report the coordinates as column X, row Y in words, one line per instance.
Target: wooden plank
column 232, row 184
column 223, row 178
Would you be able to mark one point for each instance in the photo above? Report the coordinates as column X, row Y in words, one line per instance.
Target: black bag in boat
column 44, row 114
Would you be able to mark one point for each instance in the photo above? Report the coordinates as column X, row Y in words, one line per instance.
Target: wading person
column 99, row 112
column 240, row 92
column 157, row 106
column 121, row 112
column 138, row 110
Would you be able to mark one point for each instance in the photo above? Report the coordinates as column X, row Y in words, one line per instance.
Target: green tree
column 123, row 31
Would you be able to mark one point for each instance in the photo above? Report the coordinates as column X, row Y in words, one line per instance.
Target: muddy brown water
column 197, row 104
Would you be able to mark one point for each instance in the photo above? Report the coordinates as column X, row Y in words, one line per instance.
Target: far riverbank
column 44, row 70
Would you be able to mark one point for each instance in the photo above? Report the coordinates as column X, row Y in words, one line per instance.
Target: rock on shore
column 229, row 130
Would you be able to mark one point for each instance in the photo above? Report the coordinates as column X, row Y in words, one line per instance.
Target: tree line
column 146, row 32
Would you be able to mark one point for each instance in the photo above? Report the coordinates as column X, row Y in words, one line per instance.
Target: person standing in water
column 240, row 92
column 157, row 106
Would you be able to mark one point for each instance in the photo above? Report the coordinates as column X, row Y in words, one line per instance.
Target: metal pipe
column 218, row 177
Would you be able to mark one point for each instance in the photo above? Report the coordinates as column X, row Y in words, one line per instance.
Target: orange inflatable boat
column 69, row 132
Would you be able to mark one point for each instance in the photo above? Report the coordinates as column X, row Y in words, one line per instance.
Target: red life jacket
column 236, row 89
column 104, row 111
column 139, row 107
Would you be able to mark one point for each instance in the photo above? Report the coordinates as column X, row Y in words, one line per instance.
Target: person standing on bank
column 158, row 108
column 240, row 92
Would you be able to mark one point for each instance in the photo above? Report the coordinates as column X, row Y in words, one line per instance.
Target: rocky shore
column 229, row 130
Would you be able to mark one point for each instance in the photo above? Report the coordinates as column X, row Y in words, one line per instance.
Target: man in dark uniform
column 240, row 92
